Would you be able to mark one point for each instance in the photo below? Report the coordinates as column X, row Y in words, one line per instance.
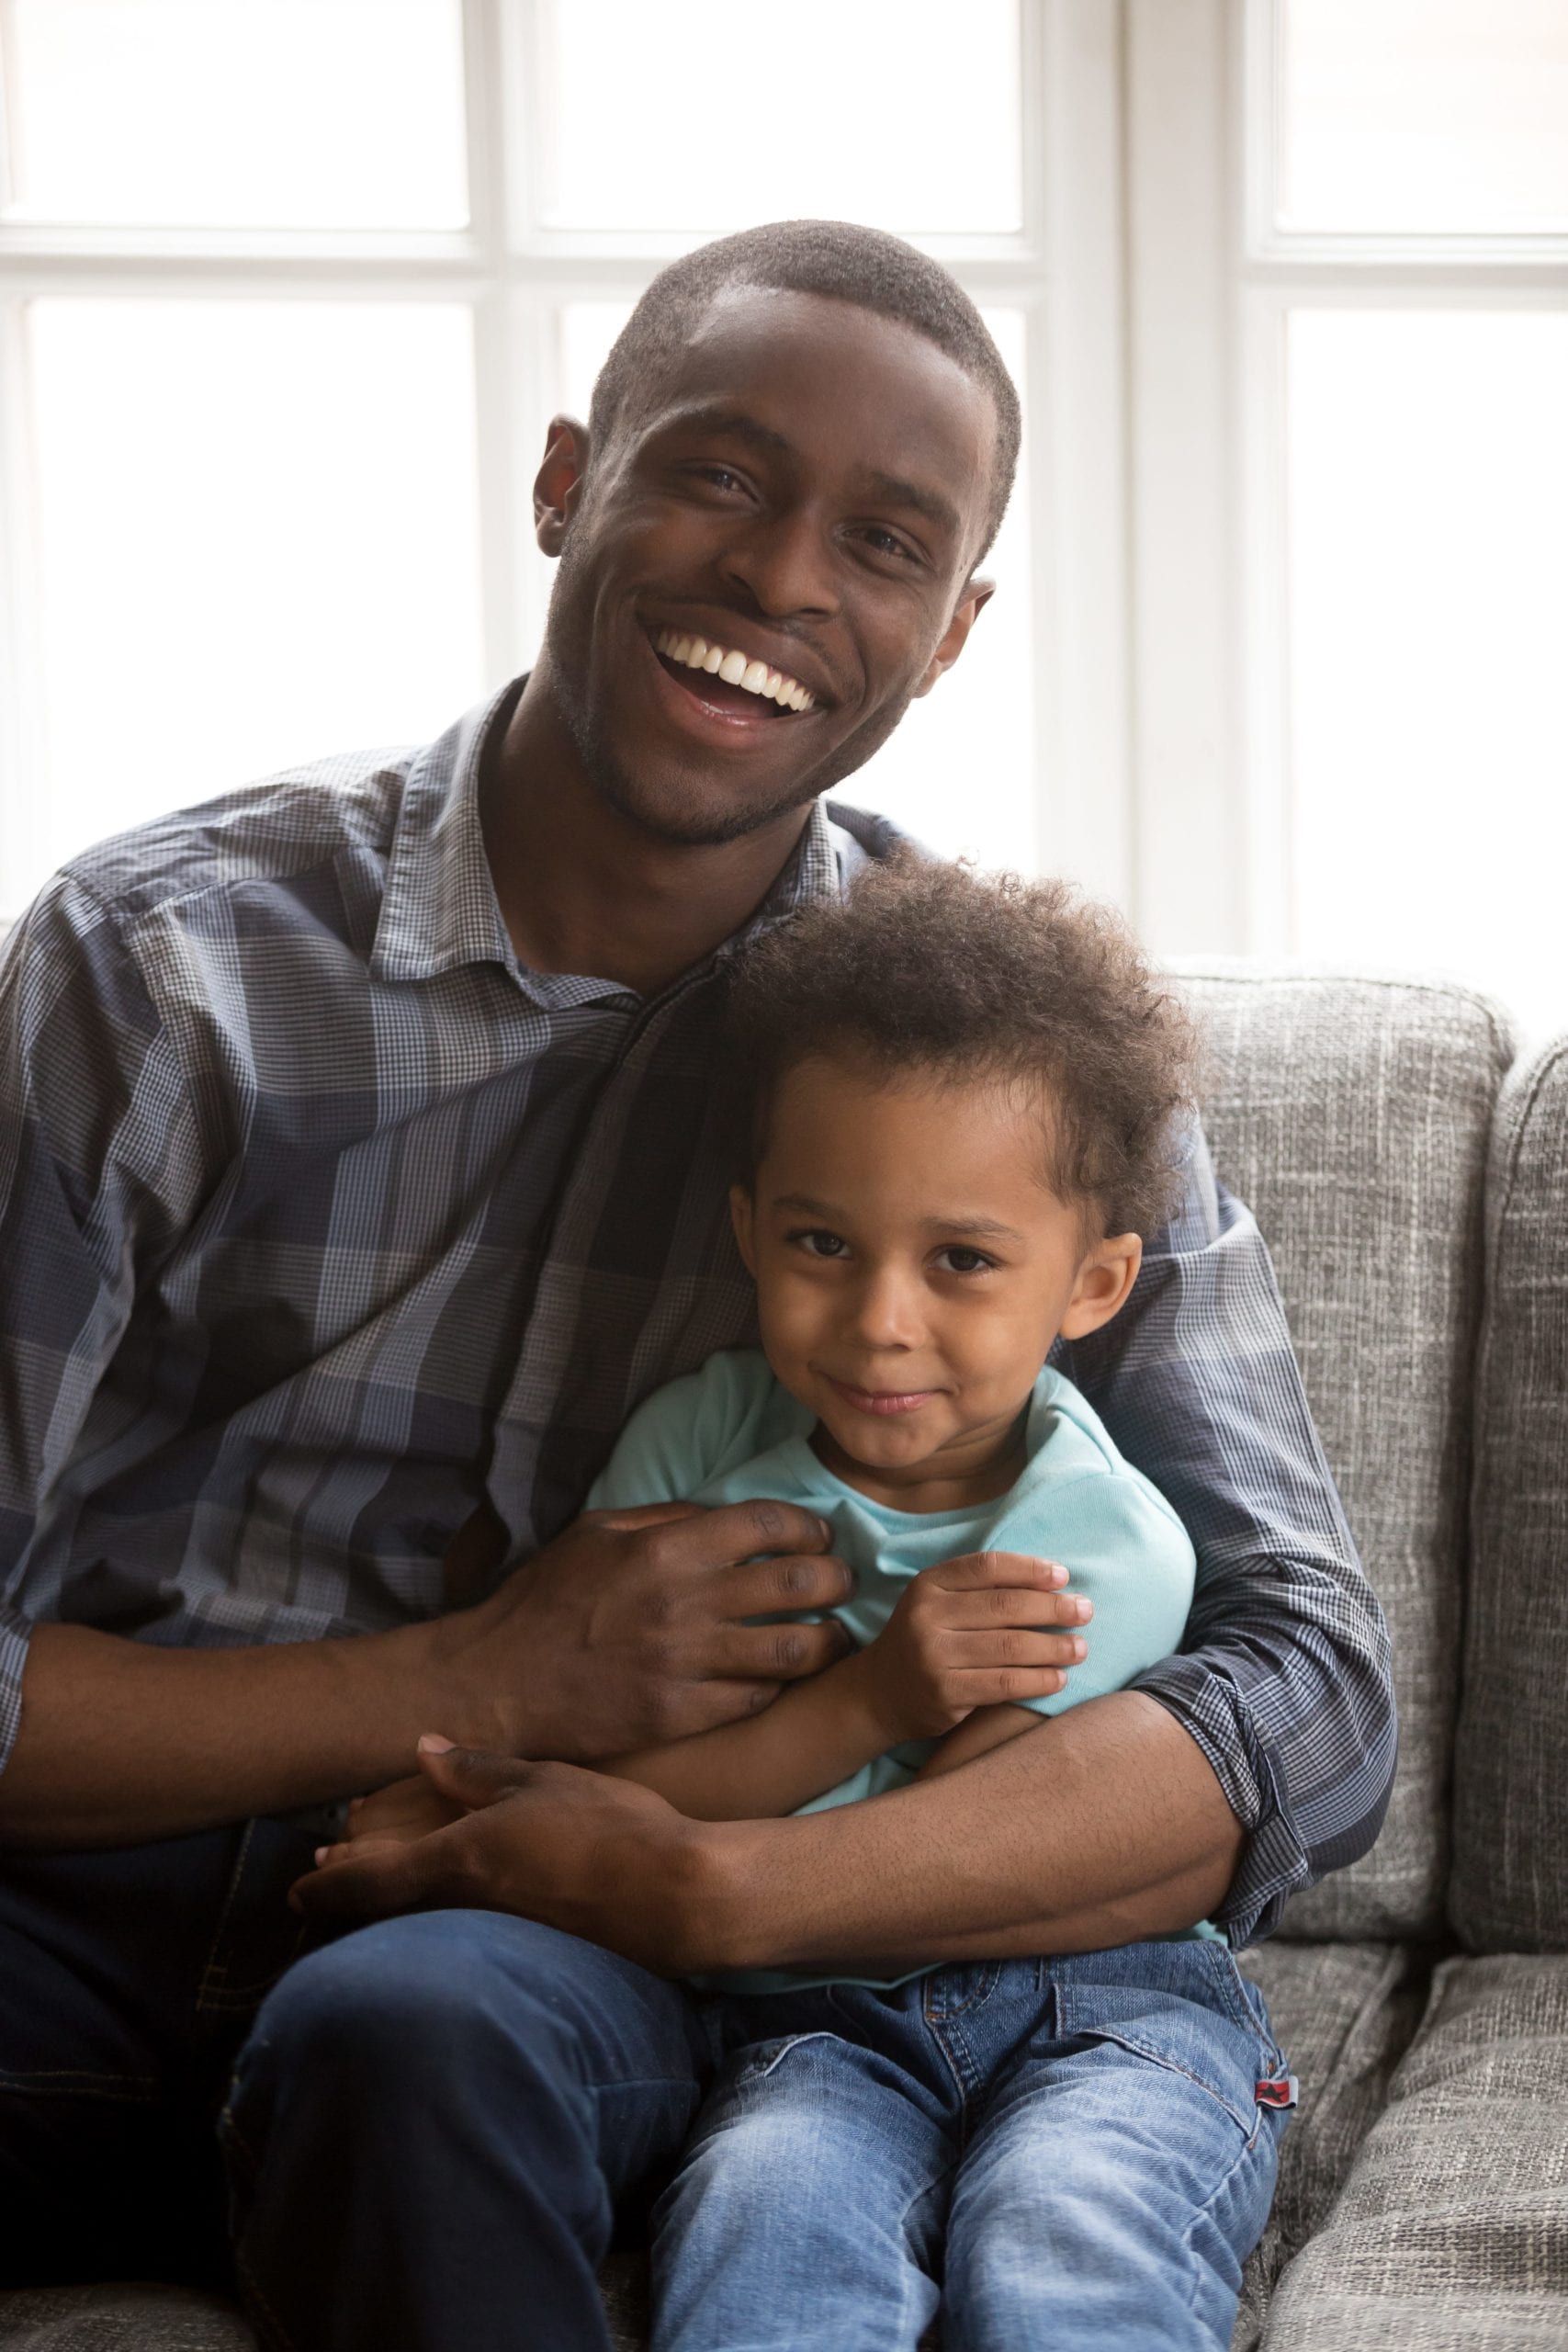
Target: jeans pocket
column 1190, row 2016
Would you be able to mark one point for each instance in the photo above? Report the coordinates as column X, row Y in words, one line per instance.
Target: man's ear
column 966, row 612
column 742, row 1216
column 1104, row 1280
column 558, row 481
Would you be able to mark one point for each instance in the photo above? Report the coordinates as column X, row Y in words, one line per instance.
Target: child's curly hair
column 925, row 966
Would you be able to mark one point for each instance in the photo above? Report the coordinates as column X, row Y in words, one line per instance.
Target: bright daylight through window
column 289, row 289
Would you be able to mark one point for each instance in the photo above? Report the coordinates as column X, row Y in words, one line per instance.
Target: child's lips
column 883, row 1400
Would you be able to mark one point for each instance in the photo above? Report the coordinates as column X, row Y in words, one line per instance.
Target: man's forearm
column 122, row 1741
column 1105, row 1826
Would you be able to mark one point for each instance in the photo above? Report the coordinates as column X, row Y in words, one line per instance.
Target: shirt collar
column 439, row 909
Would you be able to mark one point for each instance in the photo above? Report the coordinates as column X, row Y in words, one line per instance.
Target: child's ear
column 742, row 1210
column 1104, row 1280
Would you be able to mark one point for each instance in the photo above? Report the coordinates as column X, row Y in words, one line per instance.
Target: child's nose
column 890, row 1313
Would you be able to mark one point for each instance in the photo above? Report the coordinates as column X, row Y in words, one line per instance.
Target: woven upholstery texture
column 1343, row 2015
column 1353, row 1114
column 1453, row 2228
column 1510, row 1881
column 120, row 2318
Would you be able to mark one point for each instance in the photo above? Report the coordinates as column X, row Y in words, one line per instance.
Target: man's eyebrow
column 929, row 502
column 715, row 417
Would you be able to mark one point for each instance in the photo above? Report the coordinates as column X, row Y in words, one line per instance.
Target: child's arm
column 953, row 1644
column 811, row 1736
column 987, row 1728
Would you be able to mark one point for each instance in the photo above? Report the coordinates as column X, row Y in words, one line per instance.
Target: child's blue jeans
column 1083, row 2136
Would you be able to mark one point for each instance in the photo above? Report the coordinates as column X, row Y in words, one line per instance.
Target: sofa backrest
column 1510, row 1865
column 1353, row 1117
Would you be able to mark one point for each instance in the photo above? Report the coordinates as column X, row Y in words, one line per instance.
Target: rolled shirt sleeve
column 98, row 1166
column 1283, row 1678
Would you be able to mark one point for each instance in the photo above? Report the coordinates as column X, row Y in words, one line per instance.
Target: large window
column 1349, row 224
column 289, row 289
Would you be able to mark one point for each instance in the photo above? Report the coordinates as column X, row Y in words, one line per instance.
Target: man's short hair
column 842, row 260
column 930, row 968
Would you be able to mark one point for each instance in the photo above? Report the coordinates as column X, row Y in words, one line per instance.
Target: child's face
column 912, row 1267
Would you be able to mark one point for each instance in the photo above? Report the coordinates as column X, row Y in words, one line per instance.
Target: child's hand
column 970, row 1633
column 398, row 1815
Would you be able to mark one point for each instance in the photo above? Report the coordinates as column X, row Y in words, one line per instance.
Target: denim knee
column 405, row 2014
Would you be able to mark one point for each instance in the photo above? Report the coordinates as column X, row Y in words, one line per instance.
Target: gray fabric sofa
column 1413, row 1184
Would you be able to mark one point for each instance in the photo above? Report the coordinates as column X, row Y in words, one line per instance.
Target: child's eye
column 819, row 1243
column 959, row 1261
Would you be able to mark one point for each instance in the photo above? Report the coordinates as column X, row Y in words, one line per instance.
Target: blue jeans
column 431, row 2127
column 433, row 2123
column 1074, row 2148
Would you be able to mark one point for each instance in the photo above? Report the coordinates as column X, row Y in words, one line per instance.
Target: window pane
column 960, row 771
column 901, row 118
column 258, row 545
column 235, row 113
column 1425, row 115
column 1429, row 593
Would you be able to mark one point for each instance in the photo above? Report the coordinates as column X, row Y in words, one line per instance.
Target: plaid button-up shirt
column 324, row 1220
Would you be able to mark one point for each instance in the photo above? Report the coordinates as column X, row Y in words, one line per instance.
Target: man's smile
column 730, row 666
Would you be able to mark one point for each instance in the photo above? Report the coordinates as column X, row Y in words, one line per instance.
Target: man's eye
column 883, row 542
column 819, row 1243
column 721, row 477
column 959, row 1261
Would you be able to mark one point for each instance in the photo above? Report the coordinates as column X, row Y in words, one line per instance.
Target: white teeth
column 736, row 669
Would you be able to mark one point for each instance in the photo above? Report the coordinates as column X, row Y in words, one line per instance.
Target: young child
column 957, row 1105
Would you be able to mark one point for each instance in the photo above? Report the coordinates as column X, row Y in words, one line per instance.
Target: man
column 361, row 1176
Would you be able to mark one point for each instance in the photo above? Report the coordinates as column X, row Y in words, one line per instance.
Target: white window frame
column 1211, row 281
column 1062, row 270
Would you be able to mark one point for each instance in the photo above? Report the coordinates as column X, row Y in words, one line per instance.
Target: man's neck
column 582, row 888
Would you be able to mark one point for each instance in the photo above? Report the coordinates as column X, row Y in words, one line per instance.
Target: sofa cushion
column 120, row 2318
column 1343, row 2015
column 1353, row 1117
column 1451, row 2231
column 1510, row 1877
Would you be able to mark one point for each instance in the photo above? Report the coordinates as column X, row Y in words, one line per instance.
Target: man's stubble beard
column 618, row 789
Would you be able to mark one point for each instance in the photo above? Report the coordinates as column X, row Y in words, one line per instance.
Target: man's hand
column 630, row 1629
column 596, row 1857
column 974, row 1632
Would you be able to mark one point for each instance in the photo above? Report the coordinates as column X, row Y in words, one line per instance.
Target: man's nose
column 784, row 564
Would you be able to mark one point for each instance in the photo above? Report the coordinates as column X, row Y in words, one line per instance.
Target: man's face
column 806, row 489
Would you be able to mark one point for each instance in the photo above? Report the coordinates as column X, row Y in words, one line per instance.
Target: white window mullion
column 21, row 711
column 1188, row 792
column 1077, row 429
